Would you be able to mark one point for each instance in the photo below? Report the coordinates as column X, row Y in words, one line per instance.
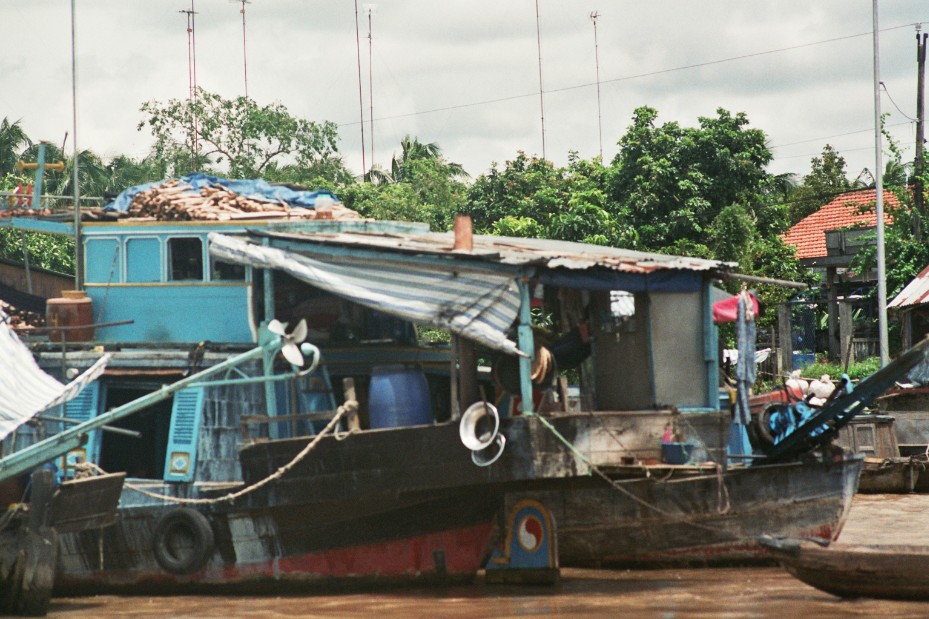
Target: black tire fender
column 183, row 541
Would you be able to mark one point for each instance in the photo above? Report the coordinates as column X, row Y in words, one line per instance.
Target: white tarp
column 477, row 305
column 26, row 390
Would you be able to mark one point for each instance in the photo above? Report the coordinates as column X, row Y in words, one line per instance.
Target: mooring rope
column 616, row 484
column 349, row 407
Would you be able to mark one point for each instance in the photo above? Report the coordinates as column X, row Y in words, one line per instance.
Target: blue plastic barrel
column 398, row 396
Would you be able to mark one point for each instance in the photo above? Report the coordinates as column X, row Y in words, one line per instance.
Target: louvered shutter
column 184, row 435
column 84, row 407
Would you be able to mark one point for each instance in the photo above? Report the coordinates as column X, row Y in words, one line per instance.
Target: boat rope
column 350, row 407
column 722, row 491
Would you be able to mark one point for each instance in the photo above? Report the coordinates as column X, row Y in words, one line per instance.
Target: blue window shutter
column 84, row 407
column 186, row 416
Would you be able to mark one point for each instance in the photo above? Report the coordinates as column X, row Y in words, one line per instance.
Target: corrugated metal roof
column 913, row 294
column 510, row 250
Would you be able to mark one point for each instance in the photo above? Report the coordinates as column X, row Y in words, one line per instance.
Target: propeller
column 290, row 346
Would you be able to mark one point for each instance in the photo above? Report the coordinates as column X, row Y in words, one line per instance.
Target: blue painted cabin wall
column 126, row 275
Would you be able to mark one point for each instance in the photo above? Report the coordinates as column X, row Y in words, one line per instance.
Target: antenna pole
column 370, row 10
column 244, row 52
column 538, row 38
column 593, row 17
column 78, row 258
column 361, row 106
column 192, row 76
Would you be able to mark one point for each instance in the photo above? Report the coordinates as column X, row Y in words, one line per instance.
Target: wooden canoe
column 855, row 570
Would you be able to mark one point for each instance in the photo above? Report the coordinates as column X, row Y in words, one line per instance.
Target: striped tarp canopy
column 474, row 304
column 26, row 390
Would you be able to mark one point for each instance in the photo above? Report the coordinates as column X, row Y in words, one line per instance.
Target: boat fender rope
column 183, row 541
column 349, row 407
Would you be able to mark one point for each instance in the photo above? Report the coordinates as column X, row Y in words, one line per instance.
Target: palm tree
column 13, row 141
column 411, row 149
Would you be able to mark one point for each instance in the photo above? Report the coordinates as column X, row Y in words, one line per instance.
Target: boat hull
column 445, row 539
column 682, row 516
column 853, row 570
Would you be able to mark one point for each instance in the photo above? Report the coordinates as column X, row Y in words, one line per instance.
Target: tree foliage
column 236, row 134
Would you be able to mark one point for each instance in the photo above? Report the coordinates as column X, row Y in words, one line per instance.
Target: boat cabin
column 530, row 325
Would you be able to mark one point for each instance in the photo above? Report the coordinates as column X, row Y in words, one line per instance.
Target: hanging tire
column 183, row 541
column 760, row 429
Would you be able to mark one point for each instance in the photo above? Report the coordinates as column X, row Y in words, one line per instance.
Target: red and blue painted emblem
column 530, row 541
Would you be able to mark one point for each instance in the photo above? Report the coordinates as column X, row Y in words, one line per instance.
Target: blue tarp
column 257, row 189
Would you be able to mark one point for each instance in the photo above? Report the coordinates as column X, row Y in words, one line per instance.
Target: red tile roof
column 808, row 235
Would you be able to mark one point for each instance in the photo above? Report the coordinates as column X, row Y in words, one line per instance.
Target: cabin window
column 185, row 259
column 102, row 261
column 226, row 271
column 143, row 260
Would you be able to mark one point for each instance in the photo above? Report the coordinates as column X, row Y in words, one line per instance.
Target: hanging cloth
column 745, row 377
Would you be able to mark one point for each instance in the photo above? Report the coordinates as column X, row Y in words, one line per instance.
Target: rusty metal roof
column 913, row 294
column 507, row 250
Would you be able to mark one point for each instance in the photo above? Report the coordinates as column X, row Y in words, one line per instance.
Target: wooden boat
column 698, row 516
column 854, row 570
column 253, row 471
column 885, row 470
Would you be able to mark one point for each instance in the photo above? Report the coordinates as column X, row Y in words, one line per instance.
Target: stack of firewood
column 174, row 201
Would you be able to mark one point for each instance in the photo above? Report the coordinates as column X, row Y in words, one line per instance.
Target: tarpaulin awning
column 25, row 390
column 477, row 305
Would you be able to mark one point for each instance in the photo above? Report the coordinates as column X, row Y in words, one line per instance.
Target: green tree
column 671, row 181
column 236, row 134
column 826, row 179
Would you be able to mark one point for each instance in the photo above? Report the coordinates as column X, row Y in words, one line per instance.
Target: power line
column 629, row 77
column 829, row 137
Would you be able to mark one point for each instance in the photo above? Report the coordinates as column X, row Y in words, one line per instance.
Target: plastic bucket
column 675, row 453
column 398, row 396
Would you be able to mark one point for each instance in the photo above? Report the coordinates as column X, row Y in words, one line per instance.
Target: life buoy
column 183, row 541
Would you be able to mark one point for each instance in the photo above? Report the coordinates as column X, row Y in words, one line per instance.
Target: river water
column 668, row 594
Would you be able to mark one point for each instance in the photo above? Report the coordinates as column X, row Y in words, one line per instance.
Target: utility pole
column 883, row 336
column 593, row 17
column 918, row 197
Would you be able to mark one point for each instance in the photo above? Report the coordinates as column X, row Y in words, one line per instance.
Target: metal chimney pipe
column 464, row 234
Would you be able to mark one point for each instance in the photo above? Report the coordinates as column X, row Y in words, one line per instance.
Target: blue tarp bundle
column 256, row 189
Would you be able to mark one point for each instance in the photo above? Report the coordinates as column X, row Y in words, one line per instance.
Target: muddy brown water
column 668, row 594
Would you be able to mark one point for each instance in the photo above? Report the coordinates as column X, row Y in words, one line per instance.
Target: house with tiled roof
column 829, row 237
column 827, row 241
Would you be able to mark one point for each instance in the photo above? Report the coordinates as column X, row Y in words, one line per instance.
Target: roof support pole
column 526, row 345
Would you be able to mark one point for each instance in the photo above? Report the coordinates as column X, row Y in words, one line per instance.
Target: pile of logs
column 175, row 201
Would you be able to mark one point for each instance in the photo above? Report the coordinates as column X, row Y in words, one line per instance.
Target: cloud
column 465, row 74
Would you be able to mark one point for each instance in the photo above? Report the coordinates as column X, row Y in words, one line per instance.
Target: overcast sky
column 465, row 73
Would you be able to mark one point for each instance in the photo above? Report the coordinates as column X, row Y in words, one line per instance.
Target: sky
column 465, row 74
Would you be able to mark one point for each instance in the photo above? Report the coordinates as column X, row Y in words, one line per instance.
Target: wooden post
column 835, row 346
column 846, row 333
column 784, row 341
column 348, row 389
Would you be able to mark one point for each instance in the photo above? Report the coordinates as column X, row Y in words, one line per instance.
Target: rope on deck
column 722, row 492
